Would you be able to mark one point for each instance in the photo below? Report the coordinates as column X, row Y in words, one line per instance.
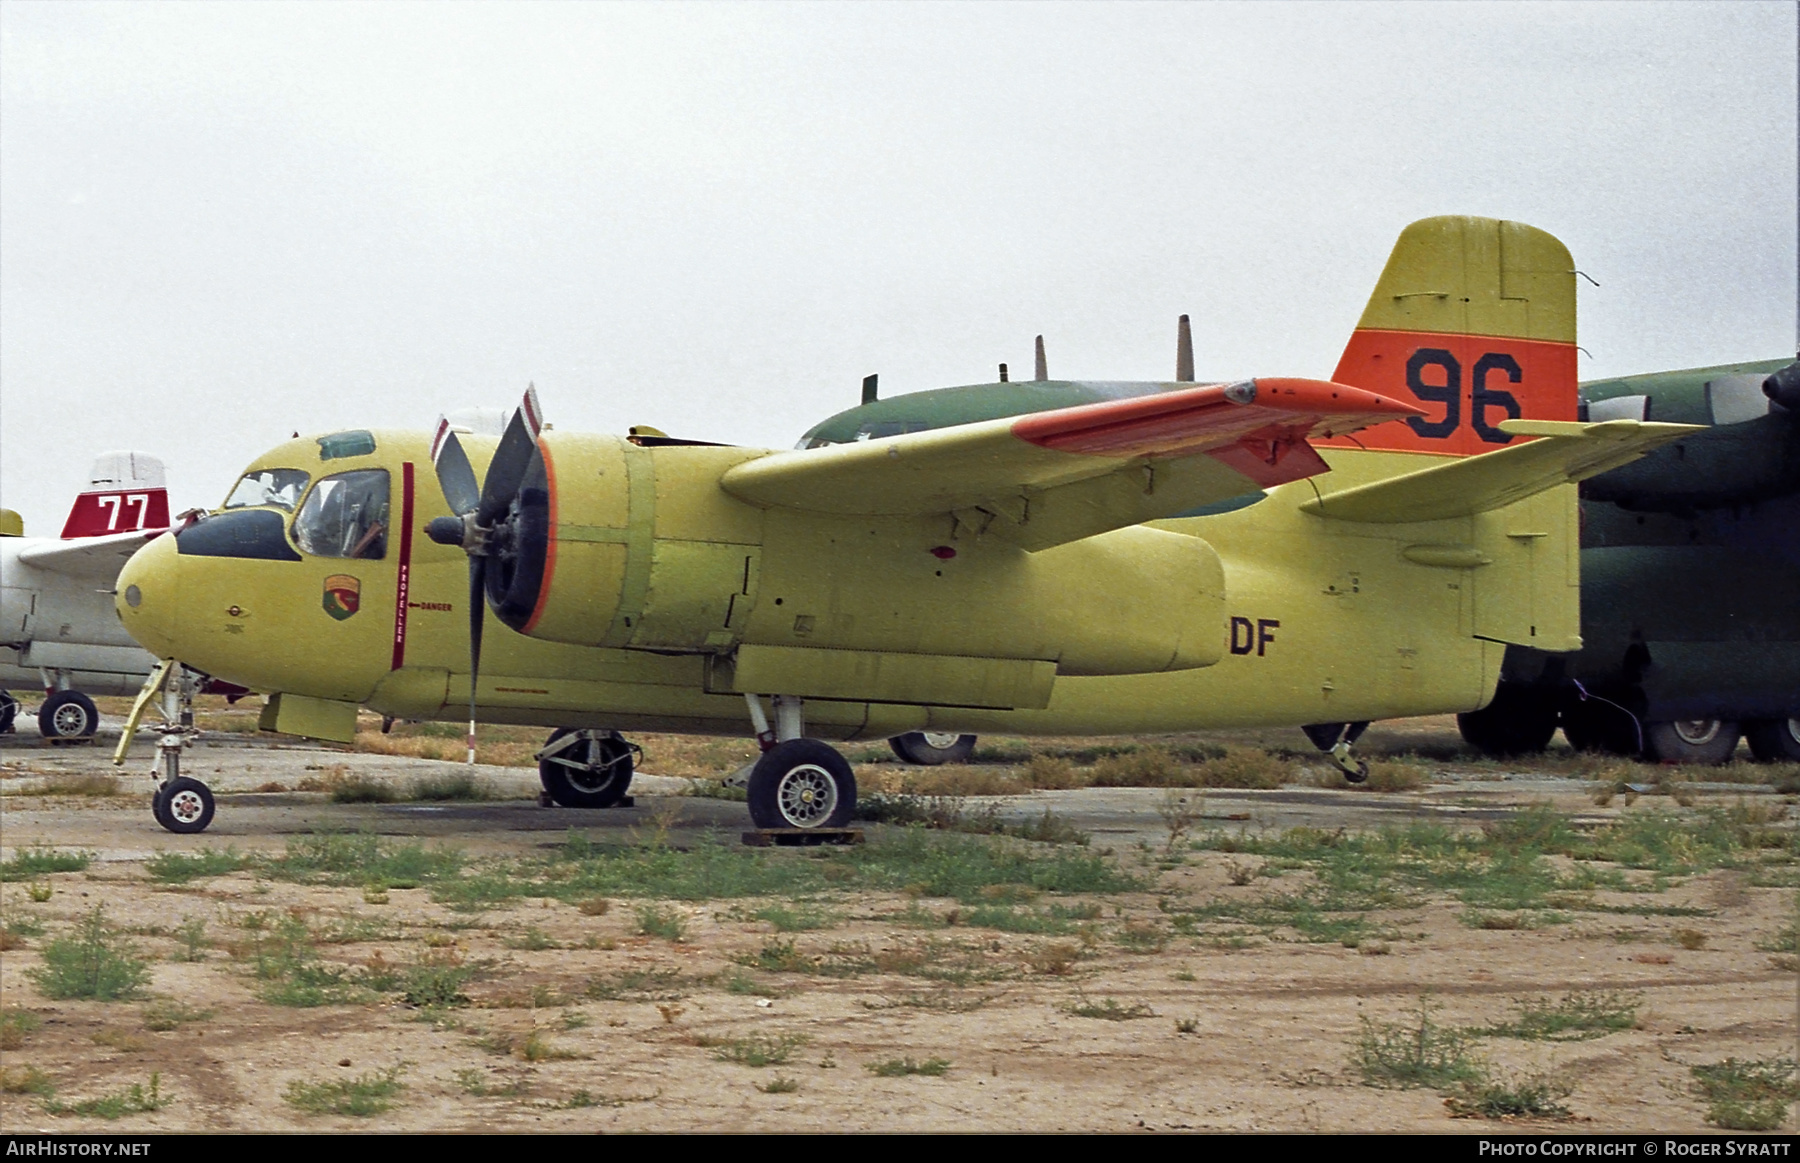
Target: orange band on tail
column 1467, row 385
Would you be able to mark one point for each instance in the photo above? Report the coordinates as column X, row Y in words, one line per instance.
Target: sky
column 223, row 223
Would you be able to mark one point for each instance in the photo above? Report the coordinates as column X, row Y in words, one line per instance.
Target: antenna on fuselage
column 1003, row 373
column 1184, row 353
column 869, row 383
column 1043, row 368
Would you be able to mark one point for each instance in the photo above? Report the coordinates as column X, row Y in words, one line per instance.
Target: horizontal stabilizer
column 1564, row 452
column 1049, row 478
column 96, row 558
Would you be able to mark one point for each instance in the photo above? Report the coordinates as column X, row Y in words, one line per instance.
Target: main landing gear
column 68, row 716
column 799, row 783
column 930, row 748
column 587, row 769
column 1335, row 740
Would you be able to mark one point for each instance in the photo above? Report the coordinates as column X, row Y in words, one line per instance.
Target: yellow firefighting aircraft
column 1263, row 552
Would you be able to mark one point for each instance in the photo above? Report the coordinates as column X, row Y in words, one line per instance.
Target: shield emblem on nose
column 342, row 595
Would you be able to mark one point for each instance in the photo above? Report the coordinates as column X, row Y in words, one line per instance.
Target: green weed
column 181, row 867
column 741, row 984
column 901, row 1067
column 457, row 787
column 93, row 962
column 192, row 936
column 1054, row 921
column 756, row 1049
column 1748, row 1095
column 367, row 1094
column 134, row 1099
column 339, row 858
column 360, row 789
column 532, row 938
column 23, row 927
column 167, row 1014
column 1111, row 1010
column 1538, row 1096
column 798, row 919
column 642, row 985
column 14, row 1025
column 35, row 862
column 1417, row 1052
column 435, row 986
column 25, row 1080
column 781, row 1084
column 654, row 921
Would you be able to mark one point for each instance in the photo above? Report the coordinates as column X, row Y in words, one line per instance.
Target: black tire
column 930, row 748
column 1774, row 740
column 68, row 715
column 187, row 806
column 802, row 783
column 9, row 711
column 1519, row 721
column 1700, row 741
column 569, row 778
column 159, row 808
column 1593, row 725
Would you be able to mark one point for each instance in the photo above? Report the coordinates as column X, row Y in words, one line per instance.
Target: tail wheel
column 802, row 783
column 594, row 772
column 1699, row 741
column 930, row 748
column 68, row 715
column 1519, row 721
column 187, row 806
column 1774, row 740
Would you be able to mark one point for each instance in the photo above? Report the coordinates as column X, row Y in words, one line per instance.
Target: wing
column 1566, row 452
column 1053, row 477
column 95, row 558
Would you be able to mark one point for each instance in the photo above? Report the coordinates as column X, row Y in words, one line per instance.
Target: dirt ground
column 1160, row 1000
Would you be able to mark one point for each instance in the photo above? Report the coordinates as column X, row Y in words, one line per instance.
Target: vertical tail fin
column 1475, row 319
column 125, row 492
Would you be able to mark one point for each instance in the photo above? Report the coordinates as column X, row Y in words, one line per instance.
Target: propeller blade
column 507, row 470
column 477, row 615
column 454, row 474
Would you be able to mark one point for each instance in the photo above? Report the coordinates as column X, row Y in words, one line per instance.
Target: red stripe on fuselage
column 403, row 583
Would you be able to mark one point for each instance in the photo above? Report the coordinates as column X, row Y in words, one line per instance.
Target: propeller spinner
column 478, row 526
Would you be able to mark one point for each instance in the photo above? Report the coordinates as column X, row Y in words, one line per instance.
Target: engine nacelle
column 619, row 545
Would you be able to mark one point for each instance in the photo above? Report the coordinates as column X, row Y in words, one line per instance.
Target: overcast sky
column 220, row 223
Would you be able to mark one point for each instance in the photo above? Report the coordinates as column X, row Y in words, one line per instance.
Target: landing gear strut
column 180, row 804
column 1335, row 740
column 799, row 782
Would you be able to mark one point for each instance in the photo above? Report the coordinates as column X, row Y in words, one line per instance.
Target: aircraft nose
column 146, row 596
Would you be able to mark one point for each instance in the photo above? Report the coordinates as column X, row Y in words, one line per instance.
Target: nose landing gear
column 180, row 804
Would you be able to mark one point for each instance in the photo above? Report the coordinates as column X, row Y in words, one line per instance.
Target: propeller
column 477, row 527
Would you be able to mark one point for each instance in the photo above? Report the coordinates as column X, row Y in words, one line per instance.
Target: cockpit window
column 345, row 516
column 280, row 487
column 357, row 443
